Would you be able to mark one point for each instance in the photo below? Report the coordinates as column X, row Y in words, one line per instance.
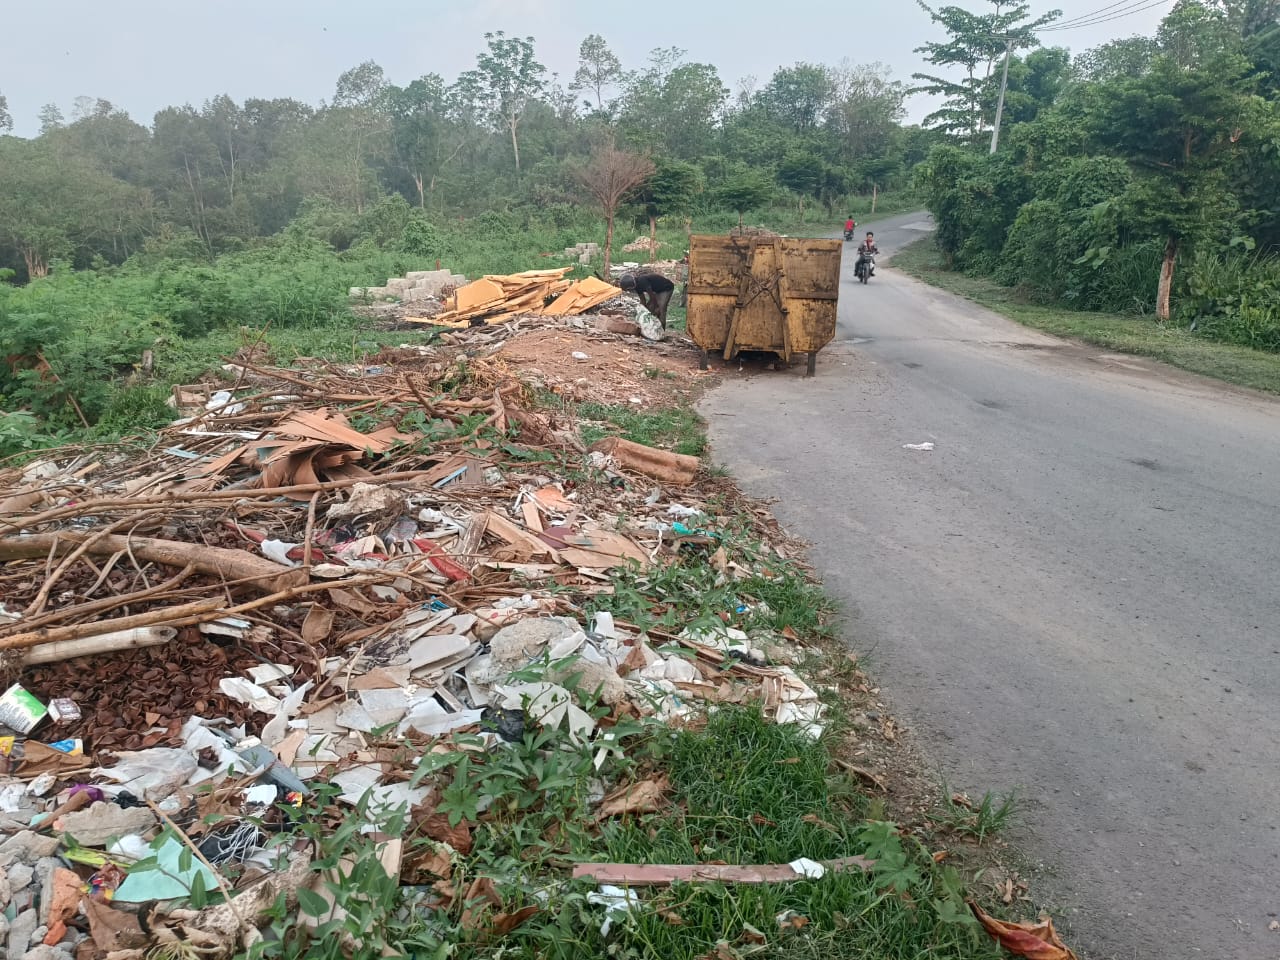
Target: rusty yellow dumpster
column 766, row 293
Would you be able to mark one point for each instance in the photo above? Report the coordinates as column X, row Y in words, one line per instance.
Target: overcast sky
column 144, row 55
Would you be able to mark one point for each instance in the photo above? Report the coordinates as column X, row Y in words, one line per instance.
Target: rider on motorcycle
column 867, row 250
column 849, row 226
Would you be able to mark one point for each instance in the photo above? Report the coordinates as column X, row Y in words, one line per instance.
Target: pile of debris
column 323, row 576
column 497, row 299
column 412, row 287
column 648, row 245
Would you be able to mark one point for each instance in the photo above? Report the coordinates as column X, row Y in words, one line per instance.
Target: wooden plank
column 532, row 520
column 476, row 293
column 664, row 874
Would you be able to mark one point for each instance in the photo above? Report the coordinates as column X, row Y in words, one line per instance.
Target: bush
column 1235, row 299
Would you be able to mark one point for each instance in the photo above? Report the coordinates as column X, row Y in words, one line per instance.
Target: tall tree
column 50, row 118
column 598, row 69
column 421, row 132
column 6, row 121
column 360, row 107
column 608, row 176
column 866, row 107
column 1179, row 127
column 976, row 43
column 797, row 97
column 673, row 106
column 506, row 80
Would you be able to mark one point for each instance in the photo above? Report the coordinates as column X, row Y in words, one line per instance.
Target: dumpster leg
column 704, row 359
column 813, row 363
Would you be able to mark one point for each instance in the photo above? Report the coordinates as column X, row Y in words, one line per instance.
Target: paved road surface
column 1076, row 593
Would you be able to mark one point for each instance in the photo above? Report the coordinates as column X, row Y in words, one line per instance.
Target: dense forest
column 1142, row 176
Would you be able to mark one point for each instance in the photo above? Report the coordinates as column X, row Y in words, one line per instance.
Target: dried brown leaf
column 504, row 923
column 646, row 796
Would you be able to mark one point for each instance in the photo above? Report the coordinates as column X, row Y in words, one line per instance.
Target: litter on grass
column 324, row 575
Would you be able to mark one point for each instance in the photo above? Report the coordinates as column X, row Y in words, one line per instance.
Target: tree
column 50, row 118
column 670, row 191
column 506, row 80
column 1178, row 127
column 744, row 190
column 672, row 106
column 976, row 42
column 865, row 109
column 798, row 97
column 804, row 173
column 420, row 128
column 360, row 105
column 6, row 121
column 608, row 177
column 598, row 69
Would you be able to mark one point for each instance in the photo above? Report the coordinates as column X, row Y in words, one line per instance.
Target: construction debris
column 497, row 299
column 326, row 576
column 645, row 244
column 412, row 287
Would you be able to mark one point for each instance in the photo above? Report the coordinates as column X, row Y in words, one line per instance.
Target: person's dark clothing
column 653, row 283
column 655, row 291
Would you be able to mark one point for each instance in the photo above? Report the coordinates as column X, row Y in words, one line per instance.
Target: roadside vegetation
column 1137, row 179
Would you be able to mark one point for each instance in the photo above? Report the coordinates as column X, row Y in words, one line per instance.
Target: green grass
column 1141, row 336
column 670, row 428
column 747, row 791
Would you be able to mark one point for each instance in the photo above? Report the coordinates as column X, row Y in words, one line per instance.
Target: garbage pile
column 317, row 577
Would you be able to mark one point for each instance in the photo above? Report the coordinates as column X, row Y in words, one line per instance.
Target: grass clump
column 979, row 821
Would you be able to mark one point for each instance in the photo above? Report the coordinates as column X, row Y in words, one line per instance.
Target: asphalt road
column 1076, row 593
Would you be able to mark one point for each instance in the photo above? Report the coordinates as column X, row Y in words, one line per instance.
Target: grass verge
column 1141, row 336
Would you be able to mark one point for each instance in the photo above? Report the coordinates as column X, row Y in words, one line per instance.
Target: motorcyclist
column 849, row 226
column 867, row 250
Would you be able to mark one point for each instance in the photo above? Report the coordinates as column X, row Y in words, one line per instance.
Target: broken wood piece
column 238, row 565
column 531, row 518
column 516, row 536
column 661, row 875
column 676, row 468
column 100, row 643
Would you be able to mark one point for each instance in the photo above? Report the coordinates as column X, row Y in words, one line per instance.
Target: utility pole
column 1004, row 84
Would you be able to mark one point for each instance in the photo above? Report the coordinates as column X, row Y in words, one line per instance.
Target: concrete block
column 457, row 280
column 585, row 259
column 398, row 285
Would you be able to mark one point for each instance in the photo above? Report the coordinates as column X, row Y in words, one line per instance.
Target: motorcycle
column 848, row 235
column 865, row 266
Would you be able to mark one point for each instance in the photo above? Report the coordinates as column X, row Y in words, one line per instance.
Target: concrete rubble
column 412, row 287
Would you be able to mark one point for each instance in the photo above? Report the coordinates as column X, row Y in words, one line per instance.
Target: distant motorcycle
column 865, row 266
column 848, row 234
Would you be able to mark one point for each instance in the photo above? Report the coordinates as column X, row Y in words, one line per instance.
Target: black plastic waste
column 508, row 724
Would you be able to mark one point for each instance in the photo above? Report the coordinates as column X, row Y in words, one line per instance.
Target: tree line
column 99, row 186
column 1142, row 175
